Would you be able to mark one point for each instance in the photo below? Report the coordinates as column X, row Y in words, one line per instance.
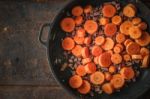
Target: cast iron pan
column 55, row 51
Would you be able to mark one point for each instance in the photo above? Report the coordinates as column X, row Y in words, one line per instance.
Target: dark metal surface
column 24, row 69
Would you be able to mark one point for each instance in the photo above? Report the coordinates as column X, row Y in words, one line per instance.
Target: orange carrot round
column 107, row 88
column 109, row 10
column 116, row 20
column 99, row 40
column 86, row 60
column 87, row 9
column 77, row 11
column 116, row 58
column 81, row 32
column 103, row 21
column 110, row 29
column 78, row 20
column 127, row 57
column 133, row 48
column 112, row 69
column 79, row 40
column 142, row 26
column 120, row 38
column 108, row 76
column 68, row 43
column 144, row 51
column 80, row 70
column 85, row 52
column 87, row 40
column 127, row 73
column 108, row 44
column 67, row 25
column 76, row 51
column 90, row 68
column 85, row 87
column 96, row 50
column 136, row 20
column 75, row 81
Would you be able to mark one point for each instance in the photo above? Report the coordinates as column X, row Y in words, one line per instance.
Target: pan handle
column 44, row 42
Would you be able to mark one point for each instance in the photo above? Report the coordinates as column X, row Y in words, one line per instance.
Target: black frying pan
column 55, row 51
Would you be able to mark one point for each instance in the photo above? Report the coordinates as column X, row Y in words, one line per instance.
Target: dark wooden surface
column 24, row 68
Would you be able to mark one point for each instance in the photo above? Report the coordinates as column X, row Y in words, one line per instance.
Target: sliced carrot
column 127, row 73
column 116, row 20
column 127, row 41
column 87, row 40
column 110, row 29
column 127, row 57
column 117, row 49
column 146, row 61
column 87, row 9
column 116, row 58
column 67, row 24
column 124, row 27
column 134, row 57
column 68, row 43
column 99, row 40
column 144, row 40
column 90, row 26
column 121, row 46
column 85, row 52
column 112, row 69
column 77, row 11
column 109, row 10
column 85, row 87
column 75, row 81
column 78, row 20
column 86, row 60
column 136, row 20
column 96, row 50
column 96, row 60
column 120, row 38
column 97, row 78
column 79, row 40
column 108, row 44
column 108, row 76
column 142, row 26
column 144, row 51
column 80, row 70
column 76, row 51
column 90, row 68
column 110, row 52
column 81, row 32
column 129, row 11
column 133, row 48
column 104, row 59
column 135, row 32
column 117, row 81
column 108, row 88
column 103, row 21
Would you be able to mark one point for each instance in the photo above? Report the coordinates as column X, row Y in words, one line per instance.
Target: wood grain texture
column 24, row 68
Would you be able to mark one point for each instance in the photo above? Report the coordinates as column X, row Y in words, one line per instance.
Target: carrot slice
column 77, row 11
column 90, row 26
column 110, row 29
column 142, row 26
column 88, row 9
column 124, row 27
column 135, row 32
column 96, row 50
column 104, row 59
column 75, row 81
column 97, row 78
column 109, row 44
column 116, row 20
column 117, row 49
column 127, row 73
column 145, row 62
column 120, row 38
column 144, row 51
column 80, row 70
column 120, row 46
column 136, row 20
column 117, row 81
column 116, row 58
column 85, row 87
column 110, row 52
column 107, row 88
column 109, row 10
column 81, row 32
column 103, row 21
column 127, row 41
column 127, row 57
column 134, row 57
column 129, row 11
column 133, row 48
column 99, row 40
column 76, row 51
column 85, row 52
column 68, row 43
column 90, row 68
column 86, row 60
column 144, row 40
column 67, row 24
column 87, row 40
column 108, row 76
column 79, row 40
column 112, row 69
column 78, row 20
column 96, row 60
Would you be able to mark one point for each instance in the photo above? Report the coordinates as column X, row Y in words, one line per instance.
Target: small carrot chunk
column 99, row 40
column 87, row 9
column 107, row 88
column 116, row 20
column 87, row 40
column 76, row 51
column 142, row 26
column 144, row 51
column 80, row 70
column 110, row 29
column 85, row 52
column 77, row 11
column 85, row 87
column 86, row 60
column 136, row 20
column 103, row 21
column 127, row 73
column 127, row 57
column 79, row 40
column 108, row 76
column 108, row 44
column 68, row 43
column 90, row 68
column 78, row 20
column 96, row 50
column 75, row 81
column 112, row 69
column 135, row 32
column 109, row 10
column 67, row 25
column 116, row 58
column 120, row 38
column 81, row 32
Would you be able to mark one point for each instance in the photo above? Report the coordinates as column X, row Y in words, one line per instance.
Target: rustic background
column 24, row 68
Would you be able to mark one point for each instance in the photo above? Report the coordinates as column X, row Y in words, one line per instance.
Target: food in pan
column 106, row 45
